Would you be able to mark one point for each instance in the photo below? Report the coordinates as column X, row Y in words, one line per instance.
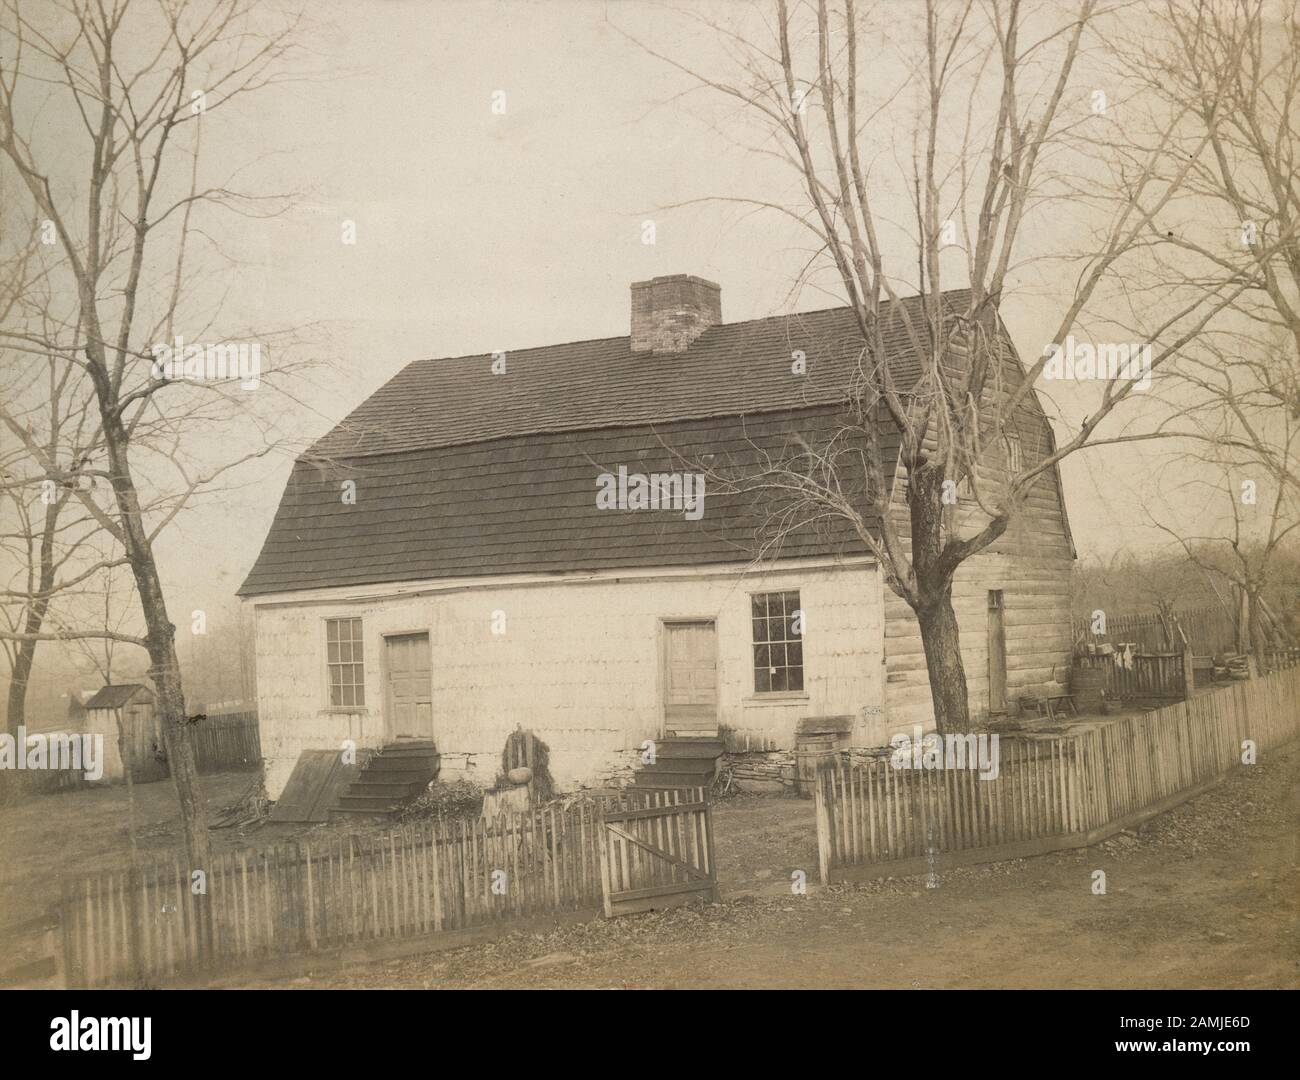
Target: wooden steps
column 398, row 773
column 681, row 762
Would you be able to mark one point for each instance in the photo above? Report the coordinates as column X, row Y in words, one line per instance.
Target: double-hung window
column 345, row 662
column 778, row 642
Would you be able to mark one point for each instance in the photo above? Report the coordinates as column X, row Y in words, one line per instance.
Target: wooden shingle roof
column 461, row 472
column 730, row 370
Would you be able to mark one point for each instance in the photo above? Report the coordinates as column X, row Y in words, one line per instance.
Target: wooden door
column 691, row 678
column 144, row 743
column 408, row 698
column 997, row 654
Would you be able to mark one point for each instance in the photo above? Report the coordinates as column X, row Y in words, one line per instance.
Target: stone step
column 674, row 750
column 404, row 763
column 398, row 773
column 397, row 776
column 645, row 779
column 385, row 790
column 702, row 766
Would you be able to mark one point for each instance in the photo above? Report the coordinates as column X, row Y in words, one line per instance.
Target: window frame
column 356, row 663
column 784, row 643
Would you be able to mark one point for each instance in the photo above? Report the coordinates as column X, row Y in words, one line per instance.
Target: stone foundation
column 763, row 771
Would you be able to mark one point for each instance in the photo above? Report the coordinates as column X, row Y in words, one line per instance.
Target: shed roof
column 116, row 695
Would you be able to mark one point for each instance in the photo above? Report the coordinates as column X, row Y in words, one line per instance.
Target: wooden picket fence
column 1050, row 792
column 227, row 741
column 1151, row 677
column 1281, row 659
column 149, row 924
column 1209, row 631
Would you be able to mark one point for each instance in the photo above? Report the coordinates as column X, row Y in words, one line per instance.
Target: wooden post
column 136, row 913
column 823, row 827
column 602, row 841
column 1189, row 677
column 703, row 796
column 310, row 909
column 58, row 937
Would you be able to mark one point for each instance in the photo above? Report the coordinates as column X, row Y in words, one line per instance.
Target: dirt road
column 1207, row 895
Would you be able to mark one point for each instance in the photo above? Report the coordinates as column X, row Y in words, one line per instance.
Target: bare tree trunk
column 16, row 715
column 1255, row 636
column 160, row 640
column 25, row 654
column 942, row 642
column 935, row 559
column 1243, row 620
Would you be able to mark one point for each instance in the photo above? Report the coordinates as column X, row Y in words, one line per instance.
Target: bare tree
column 1260, row 521
column 137, row 81
column 1237, row 217
column 1237, row 64
column 45, row 403
column 998, row 103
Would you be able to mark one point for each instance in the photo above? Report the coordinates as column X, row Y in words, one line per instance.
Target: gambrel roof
column 461, row 472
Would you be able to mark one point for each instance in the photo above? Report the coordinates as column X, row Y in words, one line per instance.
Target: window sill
column 776, row 697
column 346, row 710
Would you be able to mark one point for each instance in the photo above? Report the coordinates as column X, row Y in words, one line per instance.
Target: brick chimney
column 668, row 313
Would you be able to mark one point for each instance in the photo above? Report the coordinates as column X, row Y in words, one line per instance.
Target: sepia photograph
column 693, row 495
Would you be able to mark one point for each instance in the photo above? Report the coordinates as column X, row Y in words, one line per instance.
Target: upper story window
column 778, row 642
column 345, row 662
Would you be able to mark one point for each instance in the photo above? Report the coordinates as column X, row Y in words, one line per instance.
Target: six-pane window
column 778, row 642
column 345, row 662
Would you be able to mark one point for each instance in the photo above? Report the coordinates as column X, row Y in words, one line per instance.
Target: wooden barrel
column 812, row 751
column 1086, row 685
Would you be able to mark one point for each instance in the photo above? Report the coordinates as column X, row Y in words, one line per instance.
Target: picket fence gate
column 657, row 850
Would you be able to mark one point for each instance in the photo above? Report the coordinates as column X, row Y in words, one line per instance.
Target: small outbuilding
column 133, row 704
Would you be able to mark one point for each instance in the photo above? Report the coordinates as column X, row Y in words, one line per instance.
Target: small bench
column 1048, row 703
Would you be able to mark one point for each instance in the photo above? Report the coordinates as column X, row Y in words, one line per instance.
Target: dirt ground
column 1207, row 895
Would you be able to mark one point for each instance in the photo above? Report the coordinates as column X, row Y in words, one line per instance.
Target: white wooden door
column 408, row 700
column 691, row 678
